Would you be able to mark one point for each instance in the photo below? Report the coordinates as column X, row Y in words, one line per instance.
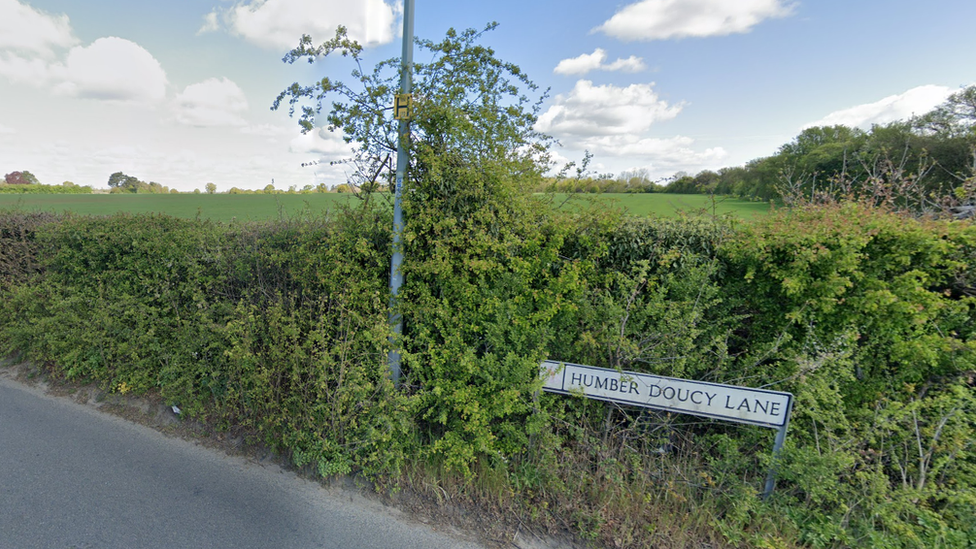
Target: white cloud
column 613, row 122
column 665, row 19
column 27, row 30
column 320, row 141
column 34, row 71
column 29, row 40
column 916, row 101
column 32, row 44
column 631, row 64
column 6, row 130
column 672, row 153
column 112, row 69
column 268, row 130
column 210, row 23
column 279, row 24
column 590, row 110
column 582, row 64
column 213, row 102
column 596, row 61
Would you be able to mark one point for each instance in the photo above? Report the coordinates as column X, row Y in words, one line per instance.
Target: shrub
column 44, row 189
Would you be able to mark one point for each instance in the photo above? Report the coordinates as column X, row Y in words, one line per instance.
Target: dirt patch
column 416, row 499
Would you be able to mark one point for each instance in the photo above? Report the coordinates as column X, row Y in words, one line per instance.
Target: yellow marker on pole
column 403, row 106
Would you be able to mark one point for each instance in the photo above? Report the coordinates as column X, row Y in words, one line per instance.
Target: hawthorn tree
column 483, row 276
column 470, row 107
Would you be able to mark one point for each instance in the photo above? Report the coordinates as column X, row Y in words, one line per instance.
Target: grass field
column 667, row 205
column 218, row 207
column 258, row 207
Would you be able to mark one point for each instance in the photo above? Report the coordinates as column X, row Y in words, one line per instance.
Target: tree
column 119, row 180
column 473, row 234
column 122, row 183
column 211, row 188
column 685, row 184
column 21, row 178
column 953, row 118
column 470, row 108
column 706, row 181
column 637, row 180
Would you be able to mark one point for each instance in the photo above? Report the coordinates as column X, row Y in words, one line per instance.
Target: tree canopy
column 470, row 109
column 21, row 178
column 122, row 183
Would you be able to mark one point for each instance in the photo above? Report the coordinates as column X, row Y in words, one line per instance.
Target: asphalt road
column 75, row 478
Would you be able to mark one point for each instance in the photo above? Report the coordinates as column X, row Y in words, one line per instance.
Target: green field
column 258, row 207
column 218, row 207
column 667, row 205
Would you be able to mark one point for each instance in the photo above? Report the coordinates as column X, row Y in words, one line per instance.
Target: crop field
column 217, row 207
column 668, row 205
column 260, row 207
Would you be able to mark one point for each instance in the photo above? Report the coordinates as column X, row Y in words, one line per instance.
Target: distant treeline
column 26, row 183
column 934, row 154
column 45, row 189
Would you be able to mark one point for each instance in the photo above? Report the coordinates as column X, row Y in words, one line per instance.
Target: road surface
column 72, row 477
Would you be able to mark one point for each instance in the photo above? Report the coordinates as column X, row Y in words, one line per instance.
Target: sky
column 179, row 92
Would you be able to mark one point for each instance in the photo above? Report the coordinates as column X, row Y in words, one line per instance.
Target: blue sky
column 179, row 92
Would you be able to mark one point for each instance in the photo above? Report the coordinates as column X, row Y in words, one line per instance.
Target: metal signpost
column 402, row 112
column 725, row 402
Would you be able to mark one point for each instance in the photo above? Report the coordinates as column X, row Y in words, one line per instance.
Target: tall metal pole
column 403, row 158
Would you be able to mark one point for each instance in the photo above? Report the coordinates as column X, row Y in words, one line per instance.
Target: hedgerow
column 279, row 331
column 44, row 189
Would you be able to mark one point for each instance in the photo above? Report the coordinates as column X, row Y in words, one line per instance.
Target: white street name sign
column 714, row 400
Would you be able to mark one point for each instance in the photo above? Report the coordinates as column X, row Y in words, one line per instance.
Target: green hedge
column 868, row 318
column 44, row 189
column 279, row 330
column 20, row 256
column 273, row 329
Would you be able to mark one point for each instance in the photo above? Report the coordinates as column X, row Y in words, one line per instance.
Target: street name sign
column 714, row 400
